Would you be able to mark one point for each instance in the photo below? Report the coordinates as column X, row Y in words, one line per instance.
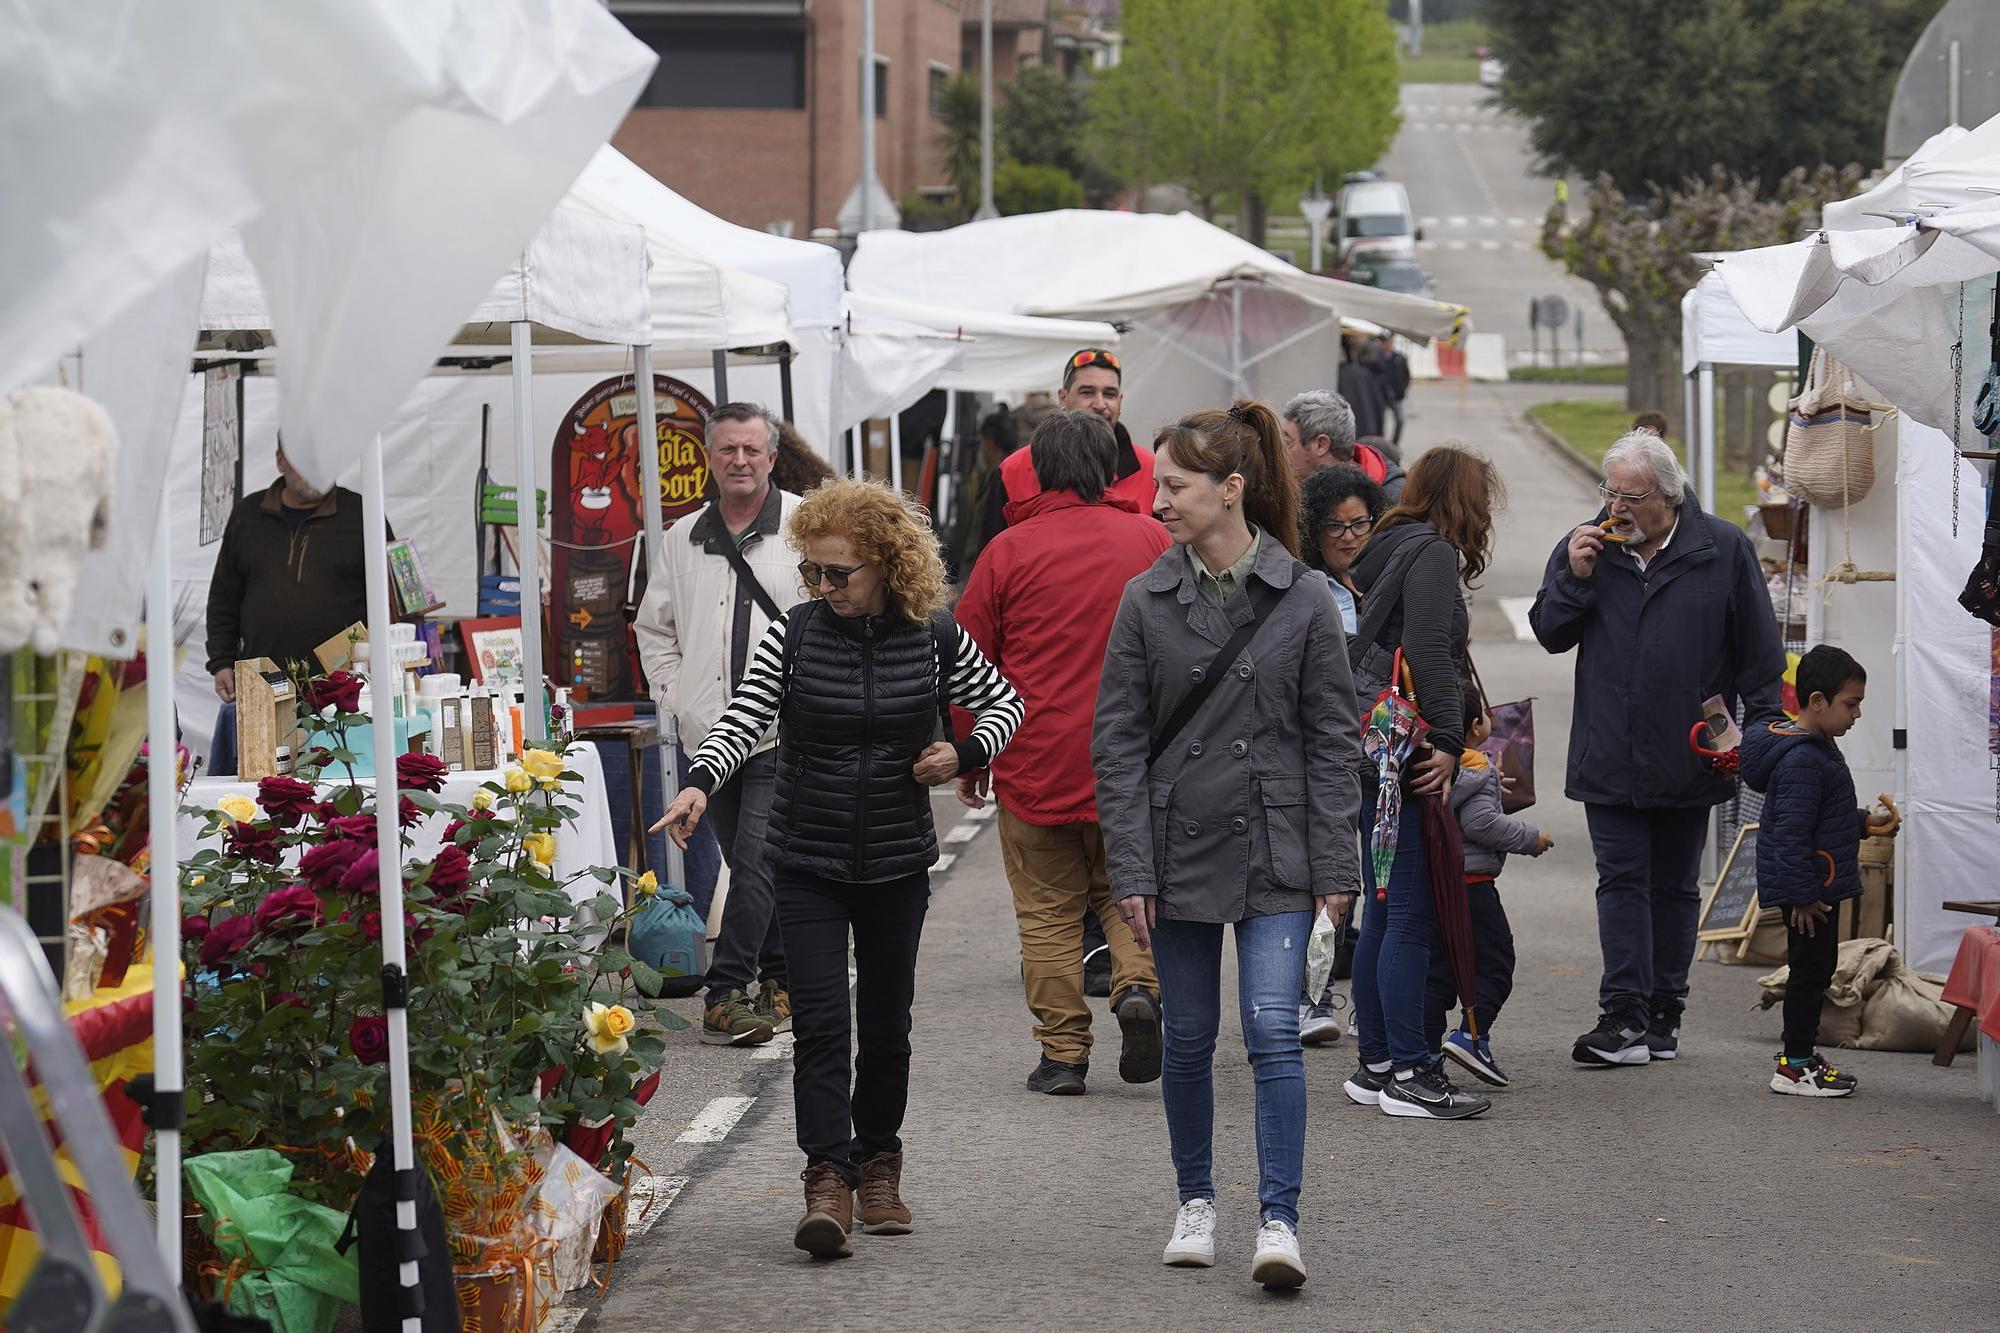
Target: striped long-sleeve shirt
column 976, row 685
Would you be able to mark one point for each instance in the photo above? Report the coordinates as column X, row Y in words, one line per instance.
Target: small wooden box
column 268, row 734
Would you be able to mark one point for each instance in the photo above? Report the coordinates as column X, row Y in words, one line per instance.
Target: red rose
column 369, row 1039
column 363, row 875
column 420, row 772
column 226, row 939
column 340, row 690
column 324, row 866
column 285, row 998
column 456, row 826
column 371, row 923
column 295, row 904
column 354, row 828
column 252, row 843
column 408, row 812
column 195, row 928
column 286, row 800
column 451, row 871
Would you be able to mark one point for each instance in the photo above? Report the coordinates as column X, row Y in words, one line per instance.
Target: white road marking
column 777, row 1048
column 660, row 1191
column 1427, row 222
column 945, row 861
column 565, row 1319
column 1455, row 245
column 1455, row 222
column 1516, row 611
column 1489, row 222
column 716, row 1120
column 1518, row 222
column 1462, row 127
column 962, row 832
column 1489, row 245
column 983, row 813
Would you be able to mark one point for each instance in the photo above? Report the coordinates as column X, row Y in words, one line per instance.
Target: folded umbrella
column 1444, row 855
column 1387, row 738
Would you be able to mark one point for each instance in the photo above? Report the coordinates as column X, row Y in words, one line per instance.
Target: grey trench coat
column 1251, row 811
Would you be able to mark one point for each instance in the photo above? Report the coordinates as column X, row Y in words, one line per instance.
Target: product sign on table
column 598, row 517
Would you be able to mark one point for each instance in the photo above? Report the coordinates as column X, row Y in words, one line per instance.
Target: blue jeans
column 1270, row 973
column 1393, row 959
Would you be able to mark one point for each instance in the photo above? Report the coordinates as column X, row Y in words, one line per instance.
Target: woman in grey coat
column 1245, row 813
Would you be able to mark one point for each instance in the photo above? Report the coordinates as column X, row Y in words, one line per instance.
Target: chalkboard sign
column 1731, row 909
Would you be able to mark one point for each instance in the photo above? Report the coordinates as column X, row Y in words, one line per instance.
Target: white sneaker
column 1193, row 1245
column 1277, row 1262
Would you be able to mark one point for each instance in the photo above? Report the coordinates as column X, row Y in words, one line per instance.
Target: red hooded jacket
column 1040, row 604
column 1133, row 480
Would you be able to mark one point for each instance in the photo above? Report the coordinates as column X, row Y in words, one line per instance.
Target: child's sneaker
column 1476, row 1055
column 1811, row 1077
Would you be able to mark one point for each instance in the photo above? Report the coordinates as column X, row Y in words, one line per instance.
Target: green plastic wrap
column 279, row 1247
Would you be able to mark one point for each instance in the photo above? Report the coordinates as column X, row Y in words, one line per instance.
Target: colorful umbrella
column 1390, row 733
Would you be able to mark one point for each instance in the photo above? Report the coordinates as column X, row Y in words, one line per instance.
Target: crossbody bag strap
column 734, row 555
column 945, row 631
column 1382, row 599
column 1263, row 600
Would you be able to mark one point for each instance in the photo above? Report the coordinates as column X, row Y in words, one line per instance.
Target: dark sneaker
column 1664, row 1043
column 1058, row 1079
column 1139, row 1019
column 829, row 1220
column 1810, row 1077
column 1427, row 1094
column 1475, row 1055
column 1615, row 1040
column 774, row 1006
column 1097, row 972
column 1364, row 1085
column 1319, row 1024
column 883, row 1212
column 734, row 1021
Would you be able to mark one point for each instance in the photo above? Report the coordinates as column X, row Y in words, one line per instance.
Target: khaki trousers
column 1056, row 871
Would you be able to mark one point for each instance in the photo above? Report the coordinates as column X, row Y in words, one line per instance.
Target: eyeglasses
column 834, row 574
column 1357, row 527
column 1625, row 496
column 1093, row 356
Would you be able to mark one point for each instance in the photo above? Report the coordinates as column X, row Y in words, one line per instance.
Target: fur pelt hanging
column 57, row 452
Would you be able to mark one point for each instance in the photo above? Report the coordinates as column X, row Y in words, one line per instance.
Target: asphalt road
column 1470, row 174
column 1676, row 1196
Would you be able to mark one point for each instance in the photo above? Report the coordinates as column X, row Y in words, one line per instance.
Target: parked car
column 1491, row 71
column 1391, row 275
column 1375, row 219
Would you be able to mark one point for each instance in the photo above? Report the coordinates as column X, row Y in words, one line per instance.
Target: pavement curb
column 1560, row 447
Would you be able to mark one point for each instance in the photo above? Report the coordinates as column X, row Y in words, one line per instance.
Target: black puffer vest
column 861, row 703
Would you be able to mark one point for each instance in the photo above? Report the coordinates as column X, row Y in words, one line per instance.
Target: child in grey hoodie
column 1489, row 834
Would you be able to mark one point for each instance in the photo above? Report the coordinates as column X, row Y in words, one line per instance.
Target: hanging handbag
column 1829, row 437
column 1511, row 746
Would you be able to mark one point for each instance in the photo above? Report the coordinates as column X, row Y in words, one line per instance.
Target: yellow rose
column 518, row 781
column 541, row 846
column 646, row 885
column 543, row 764
column 241, row 809
column 605, row 1028
column 482, row 799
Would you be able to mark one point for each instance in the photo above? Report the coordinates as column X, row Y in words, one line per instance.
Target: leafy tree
column 1652, row 92
column 1042, row 121
column 1243, row 98
column 1019, row 187
column 958, row 139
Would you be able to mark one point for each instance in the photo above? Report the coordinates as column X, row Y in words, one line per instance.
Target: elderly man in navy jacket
column 1667, row 607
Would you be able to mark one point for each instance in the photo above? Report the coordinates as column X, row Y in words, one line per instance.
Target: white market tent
column 1892, row 300
column 1207, row 316
column 1715, row 336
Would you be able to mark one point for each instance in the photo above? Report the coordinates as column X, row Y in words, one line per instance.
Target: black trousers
column 850, row 1107
column 1493, row 952
column 1812, row 958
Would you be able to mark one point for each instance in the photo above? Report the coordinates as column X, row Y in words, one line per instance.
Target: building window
column 881, row 87
column 720, row 63
column 940, row 76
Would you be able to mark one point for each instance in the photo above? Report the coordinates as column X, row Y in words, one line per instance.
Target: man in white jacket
column 696, row 628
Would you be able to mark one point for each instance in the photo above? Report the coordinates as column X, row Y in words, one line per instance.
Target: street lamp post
column 1317, row 208
column 867, row 115
column 986, row 208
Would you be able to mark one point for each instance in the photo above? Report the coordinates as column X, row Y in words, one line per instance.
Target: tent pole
column 1705, row 465
column 389, row 834
column 534, row 722
column 896, row 450
column 162, row 796
column 720, row 361
column 785, row 383
column 656, row 536
column 1900, row 737
column 838, row 449
column 1688, row 417
column 947, row 459
column 1238, row 388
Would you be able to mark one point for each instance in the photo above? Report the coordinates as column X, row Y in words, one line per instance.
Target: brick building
column 753, row 112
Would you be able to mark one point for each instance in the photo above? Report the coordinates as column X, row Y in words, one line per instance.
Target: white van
column 1375, row 218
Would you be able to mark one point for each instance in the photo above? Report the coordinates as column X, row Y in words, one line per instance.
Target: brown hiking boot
column 883, row 1212
column 823, row 1231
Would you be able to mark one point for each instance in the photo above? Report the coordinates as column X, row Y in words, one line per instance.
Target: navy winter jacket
column 1809, row 837
column 1652, row 647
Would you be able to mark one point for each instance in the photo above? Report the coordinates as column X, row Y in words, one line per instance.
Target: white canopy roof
column 1087, row 263
column 1889, row 199
column 1715, row 332
column 811, row 272
column 1005, row 354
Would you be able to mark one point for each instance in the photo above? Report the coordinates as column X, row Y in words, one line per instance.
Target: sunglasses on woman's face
column 834, row 574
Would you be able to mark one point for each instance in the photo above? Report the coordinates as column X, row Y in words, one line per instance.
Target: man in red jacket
column 1093, row 382
column 1040, row 606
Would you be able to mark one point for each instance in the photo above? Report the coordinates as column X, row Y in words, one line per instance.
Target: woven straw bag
column 1829, row 437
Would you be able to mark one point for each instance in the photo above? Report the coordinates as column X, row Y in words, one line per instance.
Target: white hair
column 1318, row 412
column 1645, row 450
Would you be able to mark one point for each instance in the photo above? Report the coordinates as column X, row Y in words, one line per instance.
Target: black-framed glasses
column 1354, row 527
column 813, row 573
column 1630, row 499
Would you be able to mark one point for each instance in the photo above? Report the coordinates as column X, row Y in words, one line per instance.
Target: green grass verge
column 1438, row 69
column 1448, row 53
column 1589, row 426
column 1568, row 374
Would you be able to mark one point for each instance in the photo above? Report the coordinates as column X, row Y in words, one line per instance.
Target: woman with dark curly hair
column 856, row 680
column 1338, row 506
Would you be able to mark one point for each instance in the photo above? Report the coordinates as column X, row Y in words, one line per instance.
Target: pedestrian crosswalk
column 1486, row 223
column 1460, row 243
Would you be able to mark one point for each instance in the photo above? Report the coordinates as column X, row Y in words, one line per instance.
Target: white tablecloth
column 583, row 843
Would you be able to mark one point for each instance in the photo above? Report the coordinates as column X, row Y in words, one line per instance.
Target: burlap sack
column 1906, row 1012
column 1855, row 976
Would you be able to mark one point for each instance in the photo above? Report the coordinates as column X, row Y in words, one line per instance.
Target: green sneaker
column 734, row 1021
column 774, row 1005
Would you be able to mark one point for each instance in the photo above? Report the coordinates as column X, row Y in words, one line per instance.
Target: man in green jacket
column 290, row 574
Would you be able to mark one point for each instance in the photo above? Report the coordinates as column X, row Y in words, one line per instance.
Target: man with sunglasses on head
column 721, row 577
column 1094, row 382
column 1666, row 607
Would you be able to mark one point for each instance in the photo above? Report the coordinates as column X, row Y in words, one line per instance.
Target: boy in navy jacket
column 1808, row 848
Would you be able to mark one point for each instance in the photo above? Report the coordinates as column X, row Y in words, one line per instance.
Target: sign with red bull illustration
column 597, row 521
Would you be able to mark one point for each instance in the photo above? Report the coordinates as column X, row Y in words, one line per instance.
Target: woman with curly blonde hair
column 857, row 680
